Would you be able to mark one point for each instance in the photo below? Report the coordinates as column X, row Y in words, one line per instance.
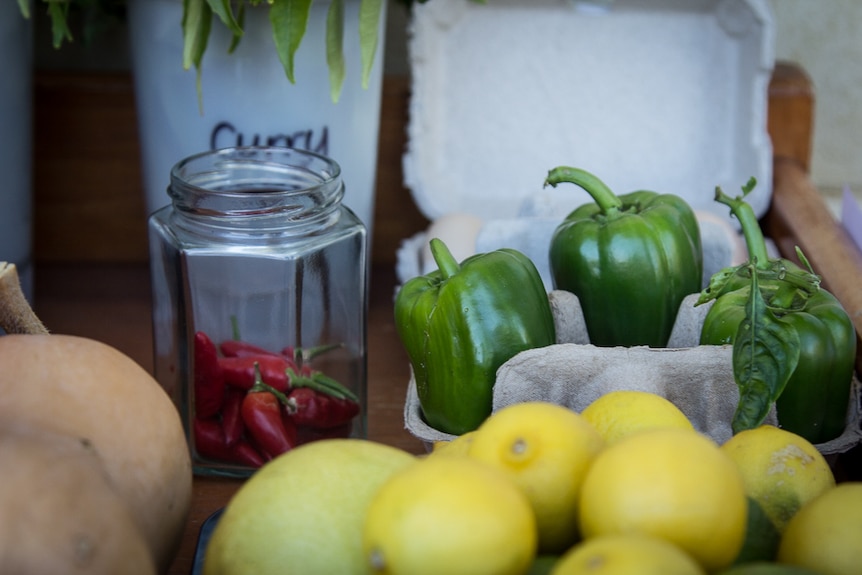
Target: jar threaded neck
column 250, row 186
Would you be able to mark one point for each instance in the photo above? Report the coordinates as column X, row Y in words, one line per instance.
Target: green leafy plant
column 289, row 20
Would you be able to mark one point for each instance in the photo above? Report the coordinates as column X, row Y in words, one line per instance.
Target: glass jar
column 259, row 283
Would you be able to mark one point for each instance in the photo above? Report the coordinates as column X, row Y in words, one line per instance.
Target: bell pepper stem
column 751, row 231
column 604, row 197
column 446, row 262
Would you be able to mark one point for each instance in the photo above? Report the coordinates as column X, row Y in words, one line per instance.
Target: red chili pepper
column 239, row 371
column 304, row 407
column 209, row 383
column 262, row 417
column 237, row 348
column 231, row 418
column 209, row 440
column 289, row 424
column 245, row 453
column 317, row 410
column 344, row 409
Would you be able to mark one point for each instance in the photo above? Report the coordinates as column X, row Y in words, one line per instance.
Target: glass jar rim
column 192, row 171
column 256, row 181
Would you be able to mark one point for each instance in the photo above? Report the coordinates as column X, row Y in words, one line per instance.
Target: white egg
column 458, row 230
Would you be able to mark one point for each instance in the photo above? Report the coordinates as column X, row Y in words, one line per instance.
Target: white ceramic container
column 247, row 99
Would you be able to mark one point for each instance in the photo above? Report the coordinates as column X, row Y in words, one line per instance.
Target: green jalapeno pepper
column 630, row 259
column 460, row 323
column 799, row 349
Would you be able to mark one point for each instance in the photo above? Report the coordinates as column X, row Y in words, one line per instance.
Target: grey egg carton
column 696, row 378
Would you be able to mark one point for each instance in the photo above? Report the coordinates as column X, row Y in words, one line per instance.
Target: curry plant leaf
column 196, row 25
column 224, row 10
column 240, row 20
column 369, row 25
column 289, row 20
column 765, row 355
column 59, row 28
column 335, row 48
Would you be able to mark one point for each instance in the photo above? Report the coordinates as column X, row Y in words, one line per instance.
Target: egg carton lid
column 665, row 95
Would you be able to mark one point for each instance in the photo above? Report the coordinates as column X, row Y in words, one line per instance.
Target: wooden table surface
column 112, row 303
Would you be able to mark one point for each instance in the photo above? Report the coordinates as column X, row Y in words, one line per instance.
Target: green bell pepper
column 798, row 342
column 460, row 323
column 630, row 259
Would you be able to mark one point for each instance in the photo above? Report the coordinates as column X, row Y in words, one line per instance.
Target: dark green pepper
column 630, row 260
column 800, row 350
column 460, row 323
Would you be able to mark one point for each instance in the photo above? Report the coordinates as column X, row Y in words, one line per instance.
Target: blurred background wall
column 824, row 38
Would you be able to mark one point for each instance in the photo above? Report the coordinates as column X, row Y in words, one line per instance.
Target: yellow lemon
column 626, row 554
column 304, row 508
column 449, row 515
column 546, row 450
column 826, row 534
column 457, row 446
column 674, row 484
column 617, row 414
column 781, row 470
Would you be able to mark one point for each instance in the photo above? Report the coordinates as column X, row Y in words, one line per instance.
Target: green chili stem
column 306, row 354
column 447, row 263
column 333, row 387
column 754, row 240
column 321, row 383
column 604, row 197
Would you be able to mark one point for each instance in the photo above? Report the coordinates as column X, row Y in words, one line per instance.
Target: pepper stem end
column 446, row 262
column 754, row 240
column 601, row 193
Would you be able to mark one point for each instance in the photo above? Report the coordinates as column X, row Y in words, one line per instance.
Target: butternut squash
column 89, row 390
column 94, row 393
column 61, row 514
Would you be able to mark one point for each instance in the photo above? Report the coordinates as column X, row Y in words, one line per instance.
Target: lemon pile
column 626, row 487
